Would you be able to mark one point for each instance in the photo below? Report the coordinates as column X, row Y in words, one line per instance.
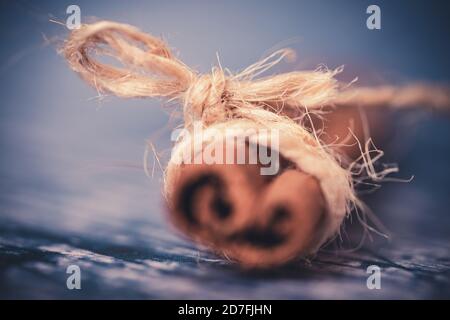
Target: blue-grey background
column 72, row 188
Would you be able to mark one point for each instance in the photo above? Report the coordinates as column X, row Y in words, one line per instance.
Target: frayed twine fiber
column 222, row 100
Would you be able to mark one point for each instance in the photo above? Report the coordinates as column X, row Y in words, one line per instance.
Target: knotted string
column 151, row 70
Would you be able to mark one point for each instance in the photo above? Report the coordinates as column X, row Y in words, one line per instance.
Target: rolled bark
column 258, row 221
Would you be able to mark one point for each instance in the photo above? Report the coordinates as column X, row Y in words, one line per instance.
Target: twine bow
column 151, row 70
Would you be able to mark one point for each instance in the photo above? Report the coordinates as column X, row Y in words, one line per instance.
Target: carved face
column 258, row 221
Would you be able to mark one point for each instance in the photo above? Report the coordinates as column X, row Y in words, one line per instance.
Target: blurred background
column 73, row 191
